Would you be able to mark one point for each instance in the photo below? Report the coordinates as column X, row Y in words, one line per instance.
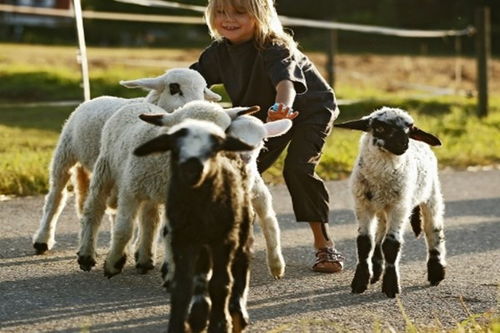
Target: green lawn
column 28, row 134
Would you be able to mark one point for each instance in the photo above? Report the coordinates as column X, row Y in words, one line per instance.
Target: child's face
column 234, row 23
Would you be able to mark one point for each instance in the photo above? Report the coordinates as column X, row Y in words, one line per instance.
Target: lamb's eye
column 379, row 129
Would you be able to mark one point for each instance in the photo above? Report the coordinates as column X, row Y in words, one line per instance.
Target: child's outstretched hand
column 280, row 111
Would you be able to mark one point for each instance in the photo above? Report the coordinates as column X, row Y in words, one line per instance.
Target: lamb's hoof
column 374, row 279
column 112, row 270
column 239, row 317
column 390, row 291
column 144, row 268
column 40, row 248
column 220, row 326
column 164, row 273
column 277, row 267
column 358, row 287
column 164, row 270
column 390, row 284
column 198, row 317
column 435, row 271
column 360, row 281
column 239, row 322
column 86, row 263
column 377, row 272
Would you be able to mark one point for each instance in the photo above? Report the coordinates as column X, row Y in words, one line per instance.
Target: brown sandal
column 328, row 260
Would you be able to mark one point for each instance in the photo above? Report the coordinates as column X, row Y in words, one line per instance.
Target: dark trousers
column 305, row 142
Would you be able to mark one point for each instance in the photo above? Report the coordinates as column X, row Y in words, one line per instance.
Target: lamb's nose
column 191, row 170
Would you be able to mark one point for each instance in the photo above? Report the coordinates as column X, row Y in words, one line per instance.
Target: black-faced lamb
column 209, row 212
column 395, row 175
column 140, row 183
column 253, row 131
column 78, row 145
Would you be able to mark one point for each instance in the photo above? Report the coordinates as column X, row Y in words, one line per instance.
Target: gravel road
column 49, row 293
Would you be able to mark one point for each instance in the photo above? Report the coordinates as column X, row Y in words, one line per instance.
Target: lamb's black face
column 192, row 151
column 191, row 171
column 391, row 137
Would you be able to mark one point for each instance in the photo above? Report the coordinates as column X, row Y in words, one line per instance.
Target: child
column 259, row 64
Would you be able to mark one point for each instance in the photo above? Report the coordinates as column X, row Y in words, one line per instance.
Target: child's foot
column 328, row 260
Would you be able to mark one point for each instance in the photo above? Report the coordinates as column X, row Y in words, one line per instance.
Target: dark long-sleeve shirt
column 250, row 76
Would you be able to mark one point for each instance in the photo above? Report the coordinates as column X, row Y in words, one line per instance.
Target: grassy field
column 30, row 73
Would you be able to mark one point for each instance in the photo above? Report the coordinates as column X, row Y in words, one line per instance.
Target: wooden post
column 483, row 54
column 458, row 62
column 330, row 61
column 82, row 56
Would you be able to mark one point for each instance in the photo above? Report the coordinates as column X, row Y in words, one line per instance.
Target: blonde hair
column 268, row 27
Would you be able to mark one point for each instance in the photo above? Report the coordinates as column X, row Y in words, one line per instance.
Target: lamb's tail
column 416, row 221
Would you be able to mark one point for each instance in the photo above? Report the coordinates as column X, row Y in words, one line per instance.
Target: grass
column 487, row 322
column 467, row 140
column 27, row 139
column 479, row 323
column 28, row 135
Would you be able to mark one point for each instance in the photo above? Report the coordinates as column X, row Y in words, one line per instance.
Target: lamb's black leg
column 241, row 277
column 166, row 270
column 434, row 234
column 362, row 275
column 390, row 282
column 416, row 221
column 200, row 307
column 220, row 286
column 377, row 263
column 182, row 287
column 435, row 268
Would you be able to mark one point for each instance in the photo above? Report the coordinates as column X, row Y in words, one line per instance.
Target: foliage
column 408, row 14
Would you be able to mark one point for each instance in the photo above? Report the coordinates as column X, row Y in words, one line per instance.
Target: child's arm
column 282, row 109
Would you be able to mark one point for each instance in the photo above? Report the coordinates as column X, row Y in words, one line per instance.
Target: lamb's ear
column 155, row 83
column 277, row 127
column 360, row 124
column 157, row 119
column 241, row 110
column 233, row 144
column 157, row 145
column 211, row 96
column 420, row 135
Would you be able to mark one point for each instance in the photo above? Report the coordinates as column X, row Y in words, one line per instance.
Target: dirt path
column 50, row 293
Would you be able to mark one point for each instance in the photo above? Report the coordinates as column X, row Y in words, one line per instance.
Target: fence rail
column 89, row 14
column 482, row 26
column 287, row 21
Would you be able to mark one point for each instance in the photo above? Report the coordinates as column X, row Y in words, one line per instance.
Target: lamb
column 79, row 142
column 395, row 179
column 214, row 236
column 140, row 183
column 252, row 131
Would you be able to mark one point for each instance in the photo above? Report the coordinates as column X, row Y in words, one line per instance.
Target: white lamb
column 141, row 183
column 395, row 178
column 80, row 140
column 253, row 131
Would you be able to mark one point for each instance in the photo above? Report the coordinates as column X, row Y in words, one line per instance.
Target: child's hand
column 280, row 111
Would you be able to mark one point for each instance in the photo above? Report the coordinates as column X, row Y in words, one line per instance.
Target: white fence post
column 82, row 56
